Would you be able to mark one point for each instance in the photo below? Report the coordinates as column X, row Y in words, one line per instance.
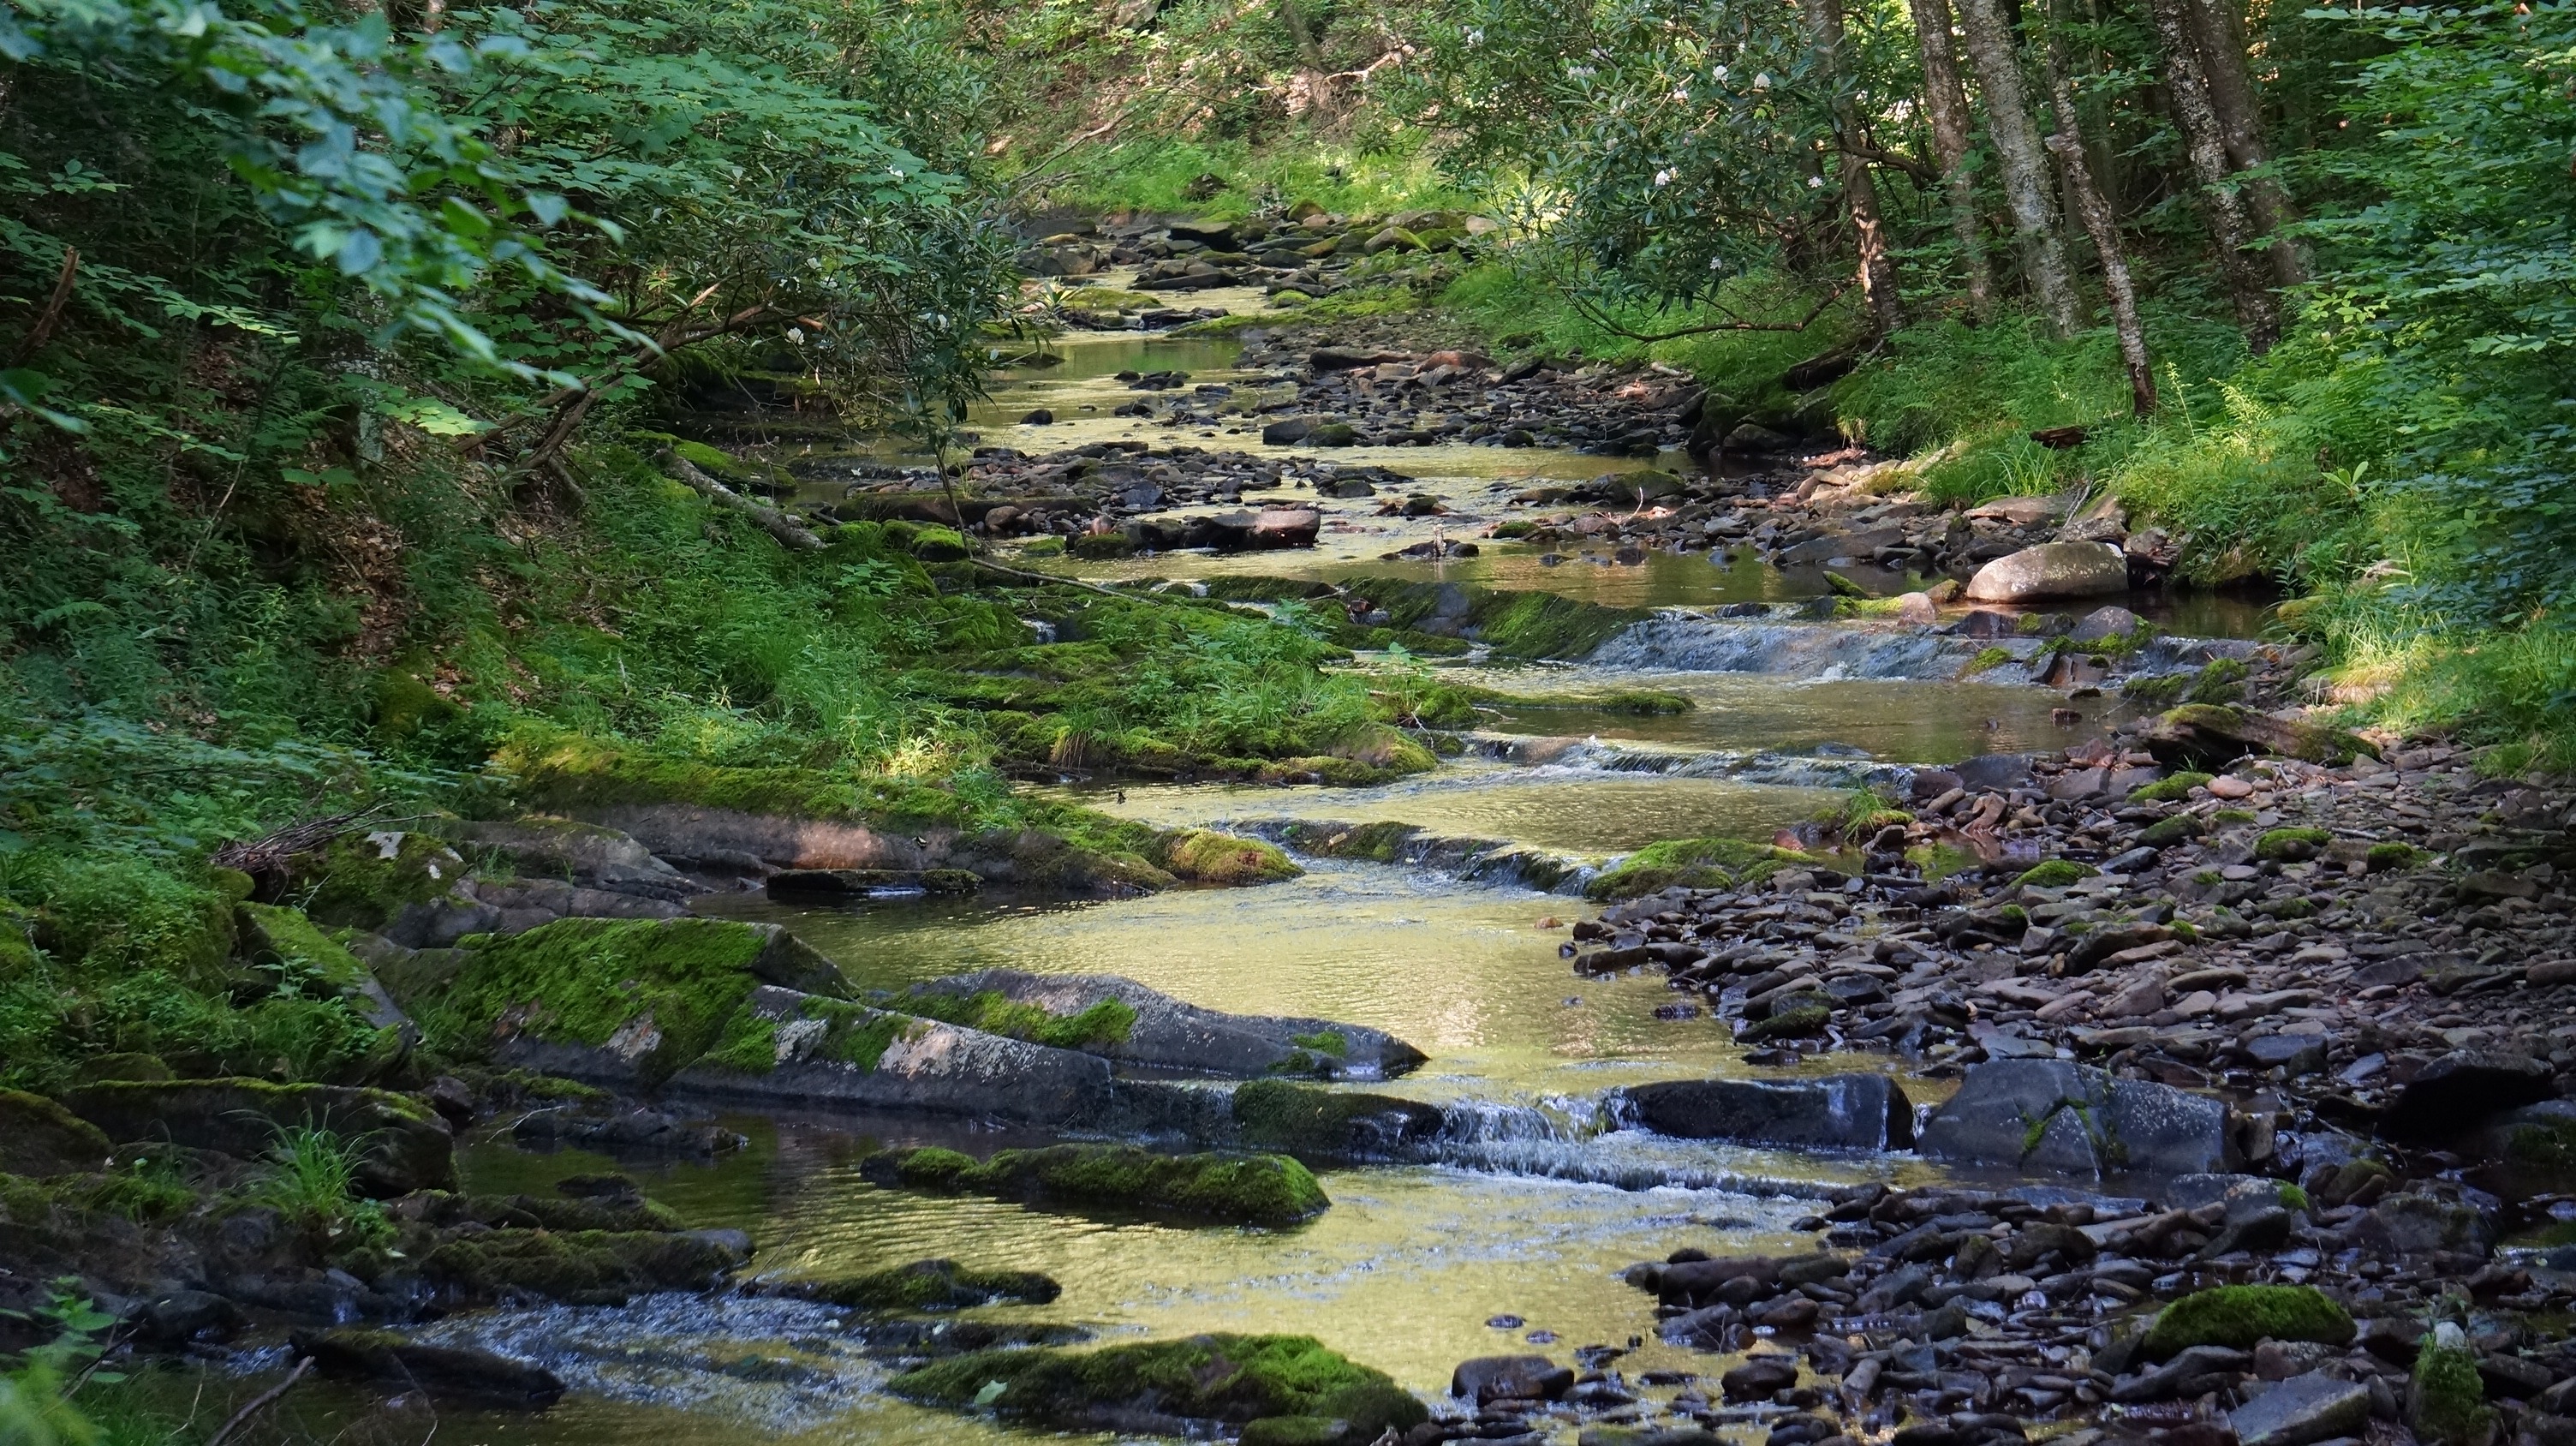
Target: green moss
column 1986, row 659
column 2237, row 1316
column 361, row 883
column 2446, row 1399
column 1695, row 863
column 578, row 1267
column 1310, row 1122
column 1793, row 1018
column 2056, row 874
column 929, row 1285
column 1636, row 702
column 2293, row 1198
column 2232, row 815
column 1255, row 1189
column 1220, row 1378
column 286, row 937
column 2548, row 1145
column 1295, row 1431
column 1383, row 748
column 2167, row 831
column 1105, row 1023
column 2289, row 845
column 1100, row 546
column 940, row 544
column 749, row 1044
column 2389, row 857
column 564, row 771
column 2169, row 790
column 579, row 981
column 1204, row 856
column 117, row 915
column 1323, row 1041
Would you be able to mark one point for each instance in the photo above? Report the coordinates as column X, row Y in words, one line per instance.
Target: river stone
column 1843, row 1111
column 2457, row 1091
column 1857, row 545
column 582, row 854
column 1510, row 1378
column 2064, row 1118
column 2302, row 1410
column 927, row 1066
column 1169, row 1034
column 2412, row 1223
column 2051, row 570
column 2113, row 621
column 449, row 1372
column 1280, row 527
column 1287, row 432
column 404, row 1146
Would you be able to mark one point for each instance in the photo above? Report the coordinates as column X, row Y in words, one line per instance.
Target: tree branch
column 1894, row 160
column 1600, row 319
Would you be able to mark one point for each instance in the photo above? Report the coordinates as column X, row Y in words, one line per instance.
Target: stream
column 1511, row 1241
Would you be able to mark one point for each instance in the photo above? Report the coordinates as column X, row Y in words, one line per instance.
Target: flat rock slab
column 2061, row 1118
column 2302, row 1410
column 1168, row 1034
column 1843, row 1111
column 925, row 1066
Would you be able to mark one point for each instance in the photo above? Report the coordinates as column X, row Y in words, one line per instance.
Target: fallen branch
column 52, row 315
column 770, row 520
column 261, row 1402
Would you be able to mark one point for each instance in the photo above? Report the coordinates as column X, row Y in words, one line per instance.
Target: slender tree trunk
column 1860, row 192
column 2019, row 157
column 2220, row 35
column 2099, row 223
column 1946, row 101
column 2230, row 228
column 1301, row 34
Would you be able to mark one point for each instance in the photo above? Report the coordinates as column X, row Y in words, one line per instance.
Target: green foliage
column 313, row 1180
column 2446, row 1398
column 36, row 1392
column 2237, row 1316
column 1213, row 1377
column 2170, row 789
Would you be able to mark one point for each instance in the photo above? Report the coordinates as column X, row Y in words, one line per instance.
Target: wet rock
column 1759, row 1378
column 2239, row 1316
column 1155, row 1387
column 799, row 884
column 1285, row 527
column 1846, row 1111
column 2066, row 1118
column 404, row 1145
column 635, row 1131
column 2454, row 1093
column 2106, row 622
column 1165, row 1033
column 1289, row 431
column 1253, row 1189
column 456, row 1373
column 2193, row 1372
column 2215, row 734
column 784, row 1049
column 2412, row 1223
column 1645, row 1436
column 1311, row 1122
column 2049, row 571
column 184, row 1317
column 2302, row 1410
column 1510, row 1378
column 580, row 1267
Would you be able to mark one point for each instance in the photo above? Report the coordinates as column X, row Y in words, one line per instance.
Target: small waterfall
column 1689, row 643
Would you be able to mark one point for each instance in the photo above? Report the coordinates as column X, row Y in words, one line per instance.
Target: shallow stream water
column 1539, row 1198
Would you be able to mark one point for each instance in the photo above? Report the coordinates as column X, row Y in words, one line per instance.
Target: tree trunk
column 1860, row 193
column 2230, row 229
column 2099, row 223
column 2219, row 33
column 1946, row 101
column 2025, row 170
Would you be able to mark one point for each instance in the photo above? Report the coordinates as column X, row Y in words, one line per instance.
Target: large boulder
column 2460, row 1090
column 1277, row 1388
column 2213, row 735
column 1843, row 1111
column 1249, row 1189
column 39, row 1137
column 1165, row 1033
column 1510, row 1378
column 622, row 1003
column 787, row 1049
column 1278, row 527
column 403, row 1145
column 1312, row 1122
column 2064, row 1118
column 2049, row 571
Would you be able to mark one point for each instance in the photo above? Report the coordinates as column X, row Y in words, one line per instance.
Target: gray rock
column 1510, row 1378
column 2411, row 1223
column 926, row 1066
column 2296, row 1054
column 2064, row 1118
column 463, row 1373
column 2456, row 1092
column 1844, row 1111
column 2107, row 622
column 2051, row 570
column 560, row 850
column 2194, row 1372
column 2302, row 1410
column 1169, row 1034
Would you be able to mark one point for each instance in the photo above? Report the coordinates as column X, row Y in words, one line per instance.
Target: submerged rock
column 454, row 1373
column 1514, row 1378
column 1310, row 1122
column 1844, row 1111
column 1164, row 1387
column 1254, row 1189
column 1165, row 1033
column 926, row 1285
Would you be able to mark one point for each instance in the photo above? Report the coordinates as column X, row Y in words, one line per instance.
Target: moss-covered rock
column 2055, row 874
column 2170, row 789
column 539, row 1212
column 2212, row 734
column 1690, row 863
column 578, row 1267
column 403, row 1145
column 1383, row 748
column 1254, row 1189
column 940, row 544
column 456, row 1373
column 1107, row 1022
column 39, row 1137
column 2237, row 1316
column 927, row 1285
column 2392, row 856
column 2168, row 831
column 1314, row 1123
column 1204, row 856
column 2291, row 845
column 619, row 1002
column 1228, row 1379
column 2446, row 1397
column 1793, row 1018
column 367, row 880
